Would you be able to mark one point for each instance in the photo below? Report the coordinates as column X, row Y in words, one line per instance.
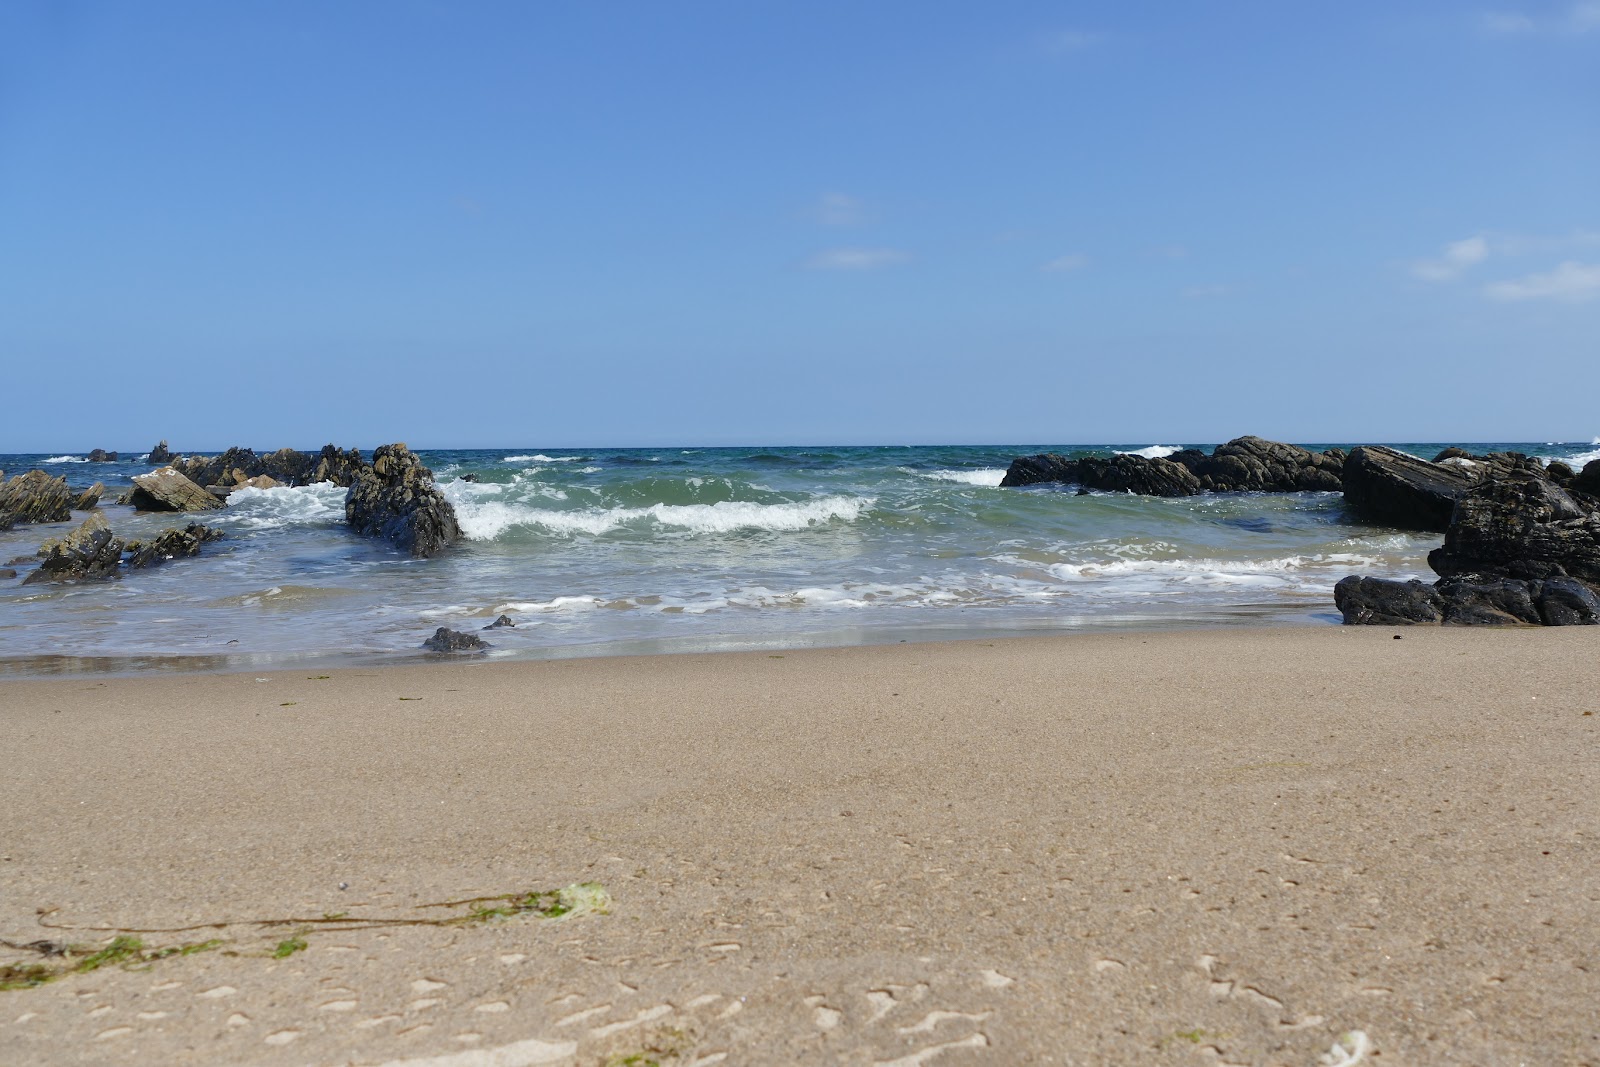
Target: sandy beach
column 1272, row 846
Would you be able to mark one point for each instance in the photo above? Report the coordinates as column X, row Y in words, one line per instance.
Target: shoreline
column 1096, row 848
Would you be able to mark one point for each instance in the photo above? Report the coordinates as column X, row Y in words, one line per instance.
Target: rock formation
column 395, row 498
column 168, row 490
column 100, row 455
column 161, row 454
column 286, row 466
column 446, row 640
column 1245, row 464
column 1385, row 486
column 501, row 623
column 89, row 498
column 1467, row 601
column 170, row 544
column 36, row 497
column 92, row 551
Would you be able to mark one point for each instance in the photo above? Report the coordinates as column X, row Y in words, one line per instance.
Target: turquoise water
column 601, row 551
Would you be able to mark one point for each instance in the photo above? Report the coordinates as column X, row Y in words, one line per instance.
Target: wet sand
column 1291, row 846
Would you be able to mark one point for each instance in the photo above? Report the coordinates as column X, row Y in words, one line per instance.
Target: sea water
column 608, row 551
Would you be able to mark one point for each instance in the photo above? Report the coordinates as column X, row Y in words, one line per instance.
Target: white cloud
column 1571, row 280
column 839, row 209
column 856, row 259
column 1063, row 264
column 1584, row 17
column 1457, row 258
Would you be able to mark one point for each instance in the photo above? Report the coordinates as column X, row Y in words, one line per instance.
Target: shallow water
column 622, row 550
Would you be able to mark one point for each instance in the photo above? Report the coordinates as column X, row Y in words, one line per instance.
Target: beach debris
column 92, row 551
column 89, row 498
column 160, row 453
column 395, row 498
column 1349, row 1050
column 501, row 622
column 168, row 489
column 448, row 640
column 36, row 497
column 1245, row 464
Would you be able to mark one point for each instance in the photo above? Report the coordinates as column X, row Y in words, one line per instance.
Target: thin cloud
column 856, row 259
column 1457, row 258
column 1063, row 264
column 840, row 209
column 1571, row 281
column 1579, row 18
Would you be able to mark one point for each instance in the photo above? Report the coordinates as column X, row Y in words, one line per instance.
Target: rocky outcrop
column 1245, row 464
column 169, row 490
column 89, row 498
column 501, row 623
column 1467, row 601
column 1587, row 481
column 286, row 466
column 36, row 497
column 1521, row 526
column 91, row 551
column 446, row 640
column 1389, row 487
column 395, row 499
column 170, row 544
column 100, row 455
column 160, row 454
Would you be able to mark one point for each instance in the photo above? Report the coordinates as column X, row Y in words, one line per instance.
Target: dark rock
column 1380, row 602
column 1559, row 472
column 86, row 500
column 1385, row 486
column 168, row 489
column 1245, row 464
column 1488, row 601
column 160, row 454
column 1568, row 602
column 89, row 552
column 286, row 466
column 170, row 544
column 469, row 477
column 36, row 497
column 7, row 572
column 1521, row 526
column 395, row 498
column 502, row 621
column 1587, row 480
column 7, row 520
column 446, row 640
column 100, row 455
column 337, row 467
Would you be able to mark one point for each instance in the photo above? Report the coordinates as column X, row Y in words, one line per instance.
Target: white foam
column 1174, row 575
column 539, row 457
column 484, row 519
column 1152, row 452
column 990, row 476
column 66, row 459
column 1578, row 459
column 266, row 509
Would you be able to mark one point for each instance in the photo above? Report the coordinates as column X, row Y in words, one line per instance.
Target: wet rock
column 36, row 497
column 169, row 490
column 447, row 640
column 89, row 498
column 170, row 544
column 500, row 623
column 338, row 467
column 100, row 455
column 1381, row 602
column 1488, row 601
column 1587, row 481
column 89, row 552
column 160, row 454
column 1245, row 464
column 286, row 466
column 1385, row 486
column 7, row 520
column 395, row 499
column 1568, row 602
column 7, row 572
column 260, row 481
column 1521, row 526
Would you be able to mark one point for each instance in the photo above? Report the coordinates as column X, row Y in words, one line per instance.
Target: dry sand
column 1242, row 847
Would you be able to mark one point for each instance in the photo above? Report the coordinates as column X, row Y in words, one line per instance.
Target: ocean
column 619, row 551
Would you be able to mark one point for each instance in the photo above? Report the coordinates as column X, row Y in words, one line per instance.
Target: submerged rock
column 92, row 551
column 36, row 497
column 1245, row 464
column 500, row 623
column 160, row 454
column 7, row 572
column 170, row 544
column 395, row 499
column 447, row 640
column 169, row 490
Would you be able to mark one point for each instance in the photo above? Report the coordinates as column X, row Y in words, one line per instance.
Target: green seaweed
column 288, row 947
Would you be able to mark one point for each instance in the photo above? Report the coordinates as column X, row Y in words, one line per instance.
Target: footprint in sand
column 896, row 1011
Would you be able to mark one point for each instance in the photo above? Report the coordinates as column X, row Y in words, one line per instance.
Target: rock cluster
column 168, row 489
column 1245, row 464
column 395, row 499
column 35, row 497
column 92, row 551
column 1392, row 488
column 100, row 455
column 161, row 454
column 447, row 640
column 286, row 466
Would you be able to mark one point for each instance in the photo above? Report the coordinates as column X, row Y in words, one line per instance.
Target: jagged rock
column 395, row 498
column 100, row 455
column 1488, row 601
column 500, row 623
column 1568, row 602
column 286, row 466
column 169, row 490
column 160, row 454
column 260, row 481
column 89, row 498
column 36, row 497
column 91, row 551
column 1381, row 602
column 1245, row 464
column 446, row 640
column 7, row 520
column 337, row 467
column 170, row 544
column 1521, row 526
column 1587, row 480
column 1385, row 486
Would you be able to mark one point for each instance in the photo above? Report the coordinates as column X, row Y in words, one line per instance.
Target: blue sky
column 698, row 223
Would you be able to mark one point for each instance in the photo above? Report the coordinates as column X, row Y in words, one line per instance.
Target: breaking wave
column 987, row 477
column 1153, row 452
column 268, row 509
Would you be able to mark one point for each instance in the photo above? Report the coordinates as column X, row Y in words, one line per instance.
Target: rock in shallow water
column 395, row 499
column 36, row 497
column 92, row 552
column 169, row 490
column 500, row 623
column 1245, row 464
column 447, row 640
